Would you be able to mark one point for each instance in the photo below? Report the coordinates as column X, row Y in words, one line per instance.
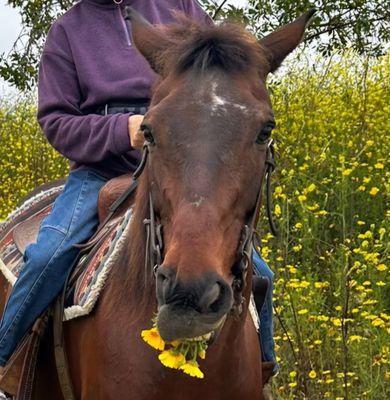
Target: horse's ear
column 283, row 41
column 149, row 40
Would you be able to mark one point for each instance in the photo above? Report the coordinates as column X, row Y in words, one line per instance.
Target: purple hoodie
column 89, row 60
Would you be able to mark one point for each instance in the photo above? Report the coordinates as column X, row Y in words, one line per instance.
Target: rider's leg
column 266, row 314
column 48, row 261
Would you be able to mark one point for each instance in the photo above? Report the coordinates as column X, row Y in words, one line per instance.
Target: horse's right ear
column 149, row 40
column 278, row 44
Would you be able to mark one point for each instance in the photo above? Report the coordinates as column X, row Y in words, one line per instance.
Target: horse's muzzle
column 191, row 309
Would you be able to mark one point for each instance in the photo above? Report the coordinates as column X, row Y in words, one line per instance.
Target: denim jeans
column 266, row 314
column 47, row 262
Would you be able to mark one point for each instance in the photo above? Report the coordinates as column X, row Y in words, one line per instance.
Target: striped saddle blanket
column 93, row 266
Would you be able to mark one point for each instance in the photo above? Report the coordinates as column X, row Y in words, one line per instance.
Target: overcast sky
column 10, row 26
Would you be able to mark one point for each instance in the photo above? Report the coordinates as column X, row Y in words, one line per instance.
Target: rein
column 248, row 232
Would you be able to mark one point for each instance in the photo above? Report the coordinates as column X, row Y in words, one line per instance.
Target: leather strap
column 26, row 383
column 59, row 350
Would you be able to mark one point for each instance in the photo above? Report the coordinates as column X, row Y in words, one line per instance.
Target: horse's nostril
column 164, row 283
column 211, row 299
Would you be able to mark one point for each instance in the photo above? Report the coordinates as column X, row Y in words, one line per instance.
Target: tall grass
column 331, row 187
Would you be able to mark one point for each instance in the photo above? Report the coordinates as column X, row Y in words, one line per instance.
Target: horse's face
column 208, row 125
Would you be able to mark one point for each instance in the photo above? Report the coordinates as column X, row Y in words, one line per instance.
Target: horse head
column 207, row 131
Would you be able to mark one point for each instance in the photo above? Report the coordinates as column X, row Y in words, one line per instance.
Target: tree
column 358, row 24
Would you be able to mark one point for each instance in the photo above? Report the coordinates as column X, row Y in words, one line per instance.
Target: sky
column 10, row 27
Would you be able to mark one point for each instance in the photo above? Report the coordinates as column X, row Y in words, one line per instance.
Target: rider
column 93, row 88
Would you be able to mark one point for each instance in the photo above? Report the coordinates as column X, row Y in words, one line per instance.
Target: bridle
column 154, row 248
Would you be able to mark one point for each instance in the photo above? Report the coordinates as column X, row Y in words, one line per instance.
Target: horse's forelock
column 228, row 47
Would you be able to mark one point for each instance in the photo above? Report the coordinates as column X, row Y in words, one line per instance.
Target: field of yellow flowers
column 332, row 292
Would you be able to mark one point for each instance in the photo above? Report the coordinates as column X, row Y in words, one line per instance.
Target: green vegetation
column 361, row 25
column 26, row 159
column 331, row 187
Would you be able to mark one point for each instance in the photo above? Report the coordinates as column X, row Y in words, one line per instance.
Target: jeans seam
column 77, row 206
column 55, row 228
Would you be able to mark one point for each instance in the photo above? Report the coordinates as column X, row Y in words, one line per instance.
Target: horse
column 207, row 138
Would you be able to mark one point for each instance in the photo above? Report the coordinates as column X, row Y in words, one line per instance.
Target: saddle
column 26, row 232
column 18, row 376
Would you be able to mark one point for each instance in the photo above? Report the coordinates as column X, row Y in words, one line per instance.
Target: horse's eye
column 265, row 133
column 148, row 135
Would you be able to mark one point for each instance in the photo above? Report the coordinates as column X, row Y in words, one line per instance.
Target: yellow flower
column 202, row 354
column 172, row 359
column 374, row 190
column 381, row 267
column 379, row 165
column 153, row 338
column 303, row 311
column 297, row 248
column 302, row 197
column 191, row 368
column 378, row 322
column 312, row 374
column 310, row 188
column 347, row 172
column 298, row 225
column 278, row 210
column 355, row 338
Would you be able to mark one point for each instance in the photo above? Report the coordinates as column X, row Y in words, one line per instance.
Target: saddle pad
column 91, row 282
column 98, row 262
column 10, row 257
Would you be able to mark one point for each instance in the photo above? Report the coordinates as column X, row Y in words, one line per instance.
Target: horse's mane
column 229, row 47
column 137, row 279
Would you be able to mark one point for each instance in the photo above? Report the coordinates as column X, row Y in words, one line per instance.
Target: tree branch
column 339, row 26
column 218, row 10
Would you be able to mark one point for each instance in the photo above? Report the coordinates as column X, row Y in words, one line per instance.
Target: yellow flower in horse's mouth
column 172, row 359
column 191, row 368
column 153, row 338
column 179, row 351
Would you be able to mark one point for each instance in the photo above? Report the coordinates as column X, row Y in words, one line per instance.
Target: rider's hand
column 136, row 136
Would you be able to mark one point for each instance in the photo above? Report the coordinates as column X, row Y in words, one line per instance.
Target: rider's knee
column 47, row 246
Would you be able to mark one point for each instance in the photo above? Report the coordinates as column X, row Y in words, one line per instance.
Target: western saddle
column 18, row 376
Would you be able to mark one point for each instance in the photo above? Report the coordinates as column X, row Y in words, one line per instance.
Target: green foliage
column 361, row 25
column 331, row 188
column 26, row 159
column 331, row 192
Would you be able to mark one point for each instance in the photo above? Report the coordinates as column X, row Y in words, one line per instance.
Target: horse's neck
column 132, row 285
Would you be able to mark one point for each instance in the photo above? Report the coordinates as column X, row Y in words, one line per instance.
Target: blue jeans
column 47, row 262
column 266, row 314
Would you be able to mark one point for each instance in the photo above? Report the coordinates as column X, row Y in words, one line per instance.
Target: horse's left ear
column 149, row 40
column 283, row 41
